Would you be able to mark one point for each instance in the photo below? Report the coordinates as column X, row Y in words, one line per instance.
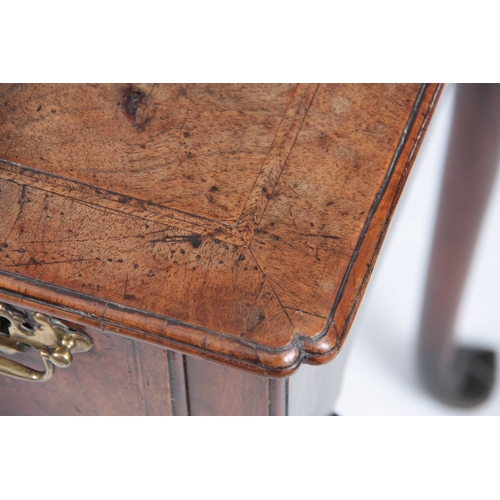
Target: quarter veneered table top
column 235, row 222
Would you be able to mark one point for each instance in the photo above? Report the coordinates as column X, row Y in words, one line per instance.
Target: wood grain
column 115, row 202
column 195, row 148
column 237, row 223
column 221, row 391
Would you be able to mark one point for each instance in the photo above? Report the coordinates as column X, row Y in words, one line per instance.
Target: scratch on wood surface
column 185, row 121
column 21, row 207
column 37, row 263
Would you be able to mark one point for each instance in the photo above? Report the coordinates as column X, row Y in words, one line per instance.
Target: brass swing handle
column 52, row 338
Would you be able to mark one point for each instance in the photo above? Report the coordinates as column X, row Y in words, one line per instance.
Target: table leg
column 461, row 376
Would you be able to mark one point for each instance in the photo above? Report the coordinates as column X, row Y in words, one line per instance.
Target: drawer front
column 118, row 376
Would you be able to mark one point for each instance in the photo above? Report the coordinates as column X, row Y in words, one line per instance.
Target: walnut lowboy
column 54, row 340
column 212, row 240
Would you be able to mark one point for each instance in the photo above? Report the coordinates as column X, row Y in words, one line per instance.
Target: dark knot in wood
column 133, row 101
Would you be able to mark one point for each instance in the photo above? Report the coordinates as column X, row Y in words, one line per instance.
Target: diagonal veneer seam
column 273, row 165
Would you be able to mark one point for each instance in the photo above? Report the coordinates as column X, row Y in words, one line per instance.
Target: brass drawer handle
column 53, row 339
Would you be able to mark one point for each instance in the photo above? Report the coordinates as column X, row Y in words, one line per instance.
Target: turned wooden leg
column 458, row 375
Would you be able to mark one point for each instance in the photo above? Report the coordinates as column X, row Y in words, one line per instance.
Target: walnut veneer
column 236, row 224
